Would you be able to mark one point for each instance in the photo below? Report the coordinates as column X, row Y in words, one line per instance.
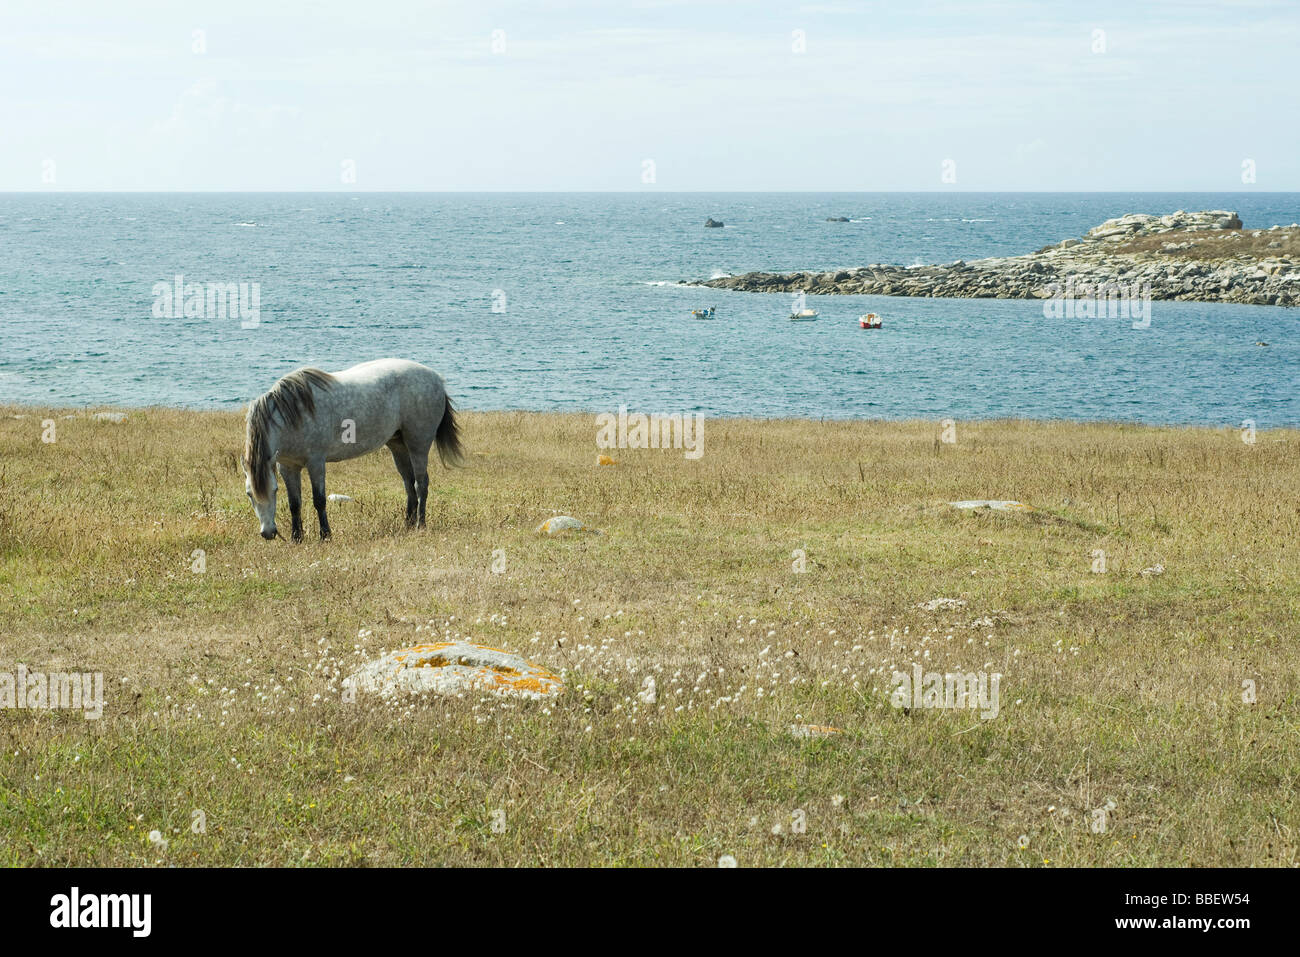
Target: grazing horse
column 312, row 417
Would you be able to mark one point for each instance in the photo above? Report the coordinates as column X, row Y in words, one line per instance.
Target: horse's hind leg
column 420, row 469
column 316, row 472
column 402, row 459
column 291, row 476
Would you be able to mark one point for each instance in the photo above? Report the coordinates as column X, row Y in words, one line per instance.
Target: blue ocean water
column 592, row 317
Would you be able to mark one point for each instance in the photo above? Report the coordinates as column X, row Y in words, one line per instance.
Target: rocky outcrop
column 1197, row 256
column 1144, row 224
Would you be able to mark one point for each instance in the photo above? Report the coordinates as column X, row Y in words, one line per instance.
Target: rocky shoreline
column 1198, row 256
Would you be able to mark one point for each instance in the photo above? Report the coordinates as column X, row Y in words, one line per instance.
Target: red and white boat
column 870, row 321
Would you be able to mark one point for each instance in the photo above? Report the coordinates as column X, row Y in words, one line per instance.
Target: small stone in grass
column 942, row 604
column 997, row 505
column 562, row 525
column 814, row 731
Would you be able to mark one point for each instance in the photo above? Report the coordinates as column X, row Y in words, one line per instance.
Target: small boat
column 870, row 321
column 703, row 313
column 803, row 315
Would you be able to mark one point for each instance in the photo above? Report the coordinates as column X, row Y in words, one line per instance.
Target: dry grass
column 1216, row 244
column 223, row 686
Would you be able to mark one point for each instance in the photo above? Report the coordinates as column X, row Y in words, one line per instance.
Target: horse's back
column 411, row 393
column 387, row 370
column 400, row 375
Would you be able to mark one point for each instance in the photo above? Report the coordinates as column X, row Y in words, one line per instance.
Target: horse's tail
column 448, row 437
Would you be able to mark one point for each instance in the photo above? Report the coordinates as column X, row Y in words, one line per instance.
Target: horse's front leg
column 316, row 472
column 291, row 477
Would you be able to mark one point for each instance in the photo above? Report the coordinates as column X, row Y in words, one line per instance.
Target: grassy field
column 225, row 732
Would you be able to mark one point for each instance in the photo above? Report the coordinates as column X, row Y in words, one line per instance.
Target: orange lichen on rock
column 453, row 667
column 814, row 730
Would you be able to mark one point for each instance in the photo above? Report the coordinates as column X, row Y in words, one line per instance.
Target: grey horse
column 312, row 417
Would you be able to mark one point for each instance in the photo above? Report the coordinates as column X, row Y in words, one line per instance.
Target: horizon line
column 627, row 192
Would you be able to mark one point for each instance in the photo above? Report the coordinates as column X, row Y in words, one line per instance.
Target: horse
column 311, row 417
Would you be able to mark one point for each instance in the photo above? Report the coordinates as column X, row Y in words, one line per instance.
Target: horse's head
column 262, row 495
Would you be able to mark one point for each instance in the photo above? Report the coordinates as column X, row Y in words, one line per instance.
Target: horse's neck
column 272, row 437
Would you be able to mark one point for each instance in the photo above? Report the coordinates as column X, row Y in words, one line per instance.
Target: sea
column 573, row 301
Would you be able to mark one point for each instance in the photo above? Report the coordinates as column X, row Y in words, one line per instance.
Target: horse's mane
column 290, row 400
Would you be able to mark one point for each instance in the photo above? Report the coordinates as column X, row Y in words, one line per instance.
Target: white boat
column 703, row 313
column 803, row 315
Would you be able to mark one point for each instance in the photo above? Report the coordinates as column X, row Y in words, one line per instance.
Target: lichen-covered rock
column 814, row 731
column 451, row 667
column 561, row 525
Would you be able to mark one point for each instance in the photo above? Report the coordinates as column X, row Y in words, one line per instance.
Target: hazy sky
column 580, row 95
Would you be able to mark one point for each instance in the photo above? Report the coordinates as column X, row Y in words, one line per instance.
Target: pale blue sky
column 114, row 97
